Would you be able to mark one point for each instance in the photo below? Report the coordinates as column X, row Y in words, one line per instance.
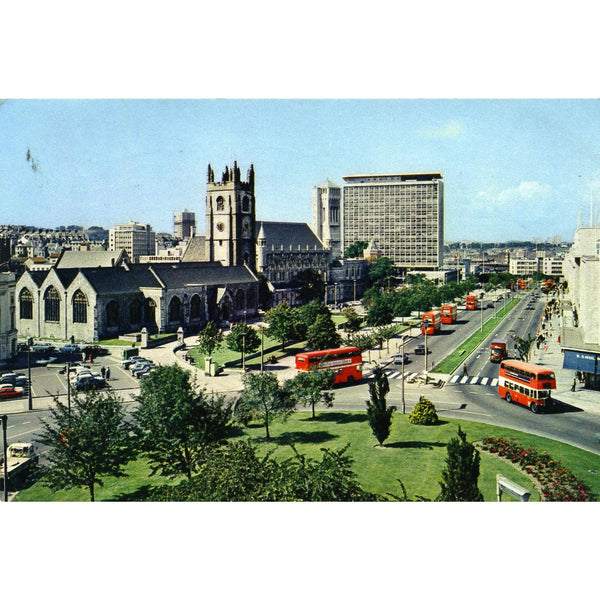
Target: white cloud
column 531, row 191
column 451, row 129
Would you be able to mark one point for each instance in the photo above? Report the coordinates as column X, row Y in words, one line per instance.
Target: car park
column 8, row 390
column 142, row 366
column 400, row 359
column 89, row 382
column 94, row 350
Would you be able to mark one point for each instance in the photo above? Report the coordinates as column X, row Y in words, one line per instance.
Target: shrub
column 423, row 413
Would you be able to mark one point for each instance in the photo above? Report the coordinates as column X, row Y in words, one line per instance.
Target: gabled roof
column 277, row 234
column 118, row 279
column 82, row 259
column 195, row 250
column 178, row 275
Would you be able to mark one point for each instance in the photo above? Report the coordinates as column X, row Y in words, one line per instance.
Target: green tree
column 311, row 387
column 309, row 312
column 355, row 250
column 176, row 424
column 242, row 338
column 381, row 312
column 263, row 398
column 284, row 323
column 238, row 472
column 310, row 285
column 523, row 346
column 378, row 412
column 87, row 443
column 210, row 338
column 353, row 320
column 322, row 334
column 459, row 479
column 381, row 272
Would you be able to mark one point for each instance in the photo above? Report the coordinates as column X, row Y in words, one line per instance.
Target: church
column 90, row 296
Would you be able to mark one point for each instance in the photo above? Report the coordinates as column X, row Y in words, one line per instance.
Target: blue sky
column 513, row 169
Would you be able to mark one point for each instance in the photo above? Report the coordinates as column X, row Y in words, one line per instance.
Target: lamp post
column 425, row 328
column 481, row 311
column 5, row 456
column 243, row 352
column 29, row 398
column 402, row 384
column 262, row 348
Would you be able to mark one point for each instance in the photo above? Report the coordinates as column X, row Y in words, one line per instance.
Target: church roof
column 195, row 250
column 117, row 279
column 178, row 275
column 77, row 259
column 278, row 233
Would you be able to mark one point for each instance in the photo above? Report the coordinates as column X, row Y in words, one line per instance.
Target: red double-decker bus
column 526, row 384
column 471, row 302
column 346, row 363
column 433, row 319
column 449, row 313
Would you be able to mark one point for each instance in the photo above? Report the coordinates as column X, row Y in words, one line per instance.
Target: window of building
column 220, row 203
column 246, row 204
column 239, row 300
column 80, row 305
column 51, row 305
column 135, row 312
column 112, row 314
column 26, row 304
column 196, row 307
column 175, row 310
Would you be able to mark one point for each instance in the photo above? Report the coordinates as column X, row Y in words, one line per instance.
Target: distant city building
column 403, row 214
column 326, row 216
column 184, row 224
column 580, row 335
column 548, row 265
column 136, row 239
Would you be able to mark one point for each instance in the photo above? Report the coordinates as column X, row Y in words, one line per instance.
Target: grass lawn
column 414, row 454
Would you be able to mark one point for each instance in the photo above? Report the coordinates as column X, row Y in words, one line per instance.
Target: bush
column 423, row 413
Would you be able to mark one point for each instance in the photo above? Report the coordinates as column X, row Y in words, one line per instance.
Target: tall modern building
column 135, row 238
column 402, row 214
column 184, row 224
column 326, row 216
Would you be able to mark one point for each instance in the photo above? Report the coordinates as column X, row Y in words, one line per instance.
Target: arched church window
column 220, row 203
column 135, row 312
column 112, row 314
column 246, row 204
column 175, row 309
column 26, row 304
column 196, row 307
column 80, row 305
column 51, row 305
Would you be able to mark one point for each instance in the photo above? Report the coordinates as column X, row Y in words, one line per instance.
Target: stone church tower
column 231, row 218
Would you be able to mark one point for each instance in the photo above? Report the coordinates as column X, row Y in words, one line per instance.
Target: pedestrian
column 103, row 371
column 107, row 373
column 465, row 369
column 574, row 384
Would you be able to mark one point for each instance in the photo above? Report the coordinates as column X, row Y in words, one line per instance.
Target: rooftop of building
column 401, row 177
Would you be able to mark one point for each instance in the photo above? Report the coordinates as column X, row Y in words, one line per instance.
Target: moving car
column 401, row 359
column 8, row 390
column 46, row 361
column 420, row 349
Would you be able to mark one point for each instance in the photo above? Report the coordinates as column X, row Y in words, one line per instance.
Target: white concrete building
column 136, row 239
column 580, row 308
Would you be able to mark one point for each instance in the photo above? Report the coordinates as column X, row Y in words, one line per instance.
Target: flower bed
column 556, row 481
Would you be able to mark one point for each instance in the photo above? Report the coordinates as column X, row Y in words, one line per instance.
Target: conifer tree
column 378, row 412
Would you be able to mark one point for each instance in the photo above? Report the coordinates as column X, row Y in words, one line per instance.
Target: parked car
column 141, row 366
column 70, row 348
column 401, row 359
column 94, row 350
column 89, row 382
column 132, row 360
column 8, row 390
column 143, row 370
column 42, row 347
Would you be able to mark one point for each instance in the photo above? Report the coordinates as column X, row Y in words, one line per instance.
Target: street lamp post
column 244, row 352
column 481, row 311
column 29, row 397
column 425, row 328
column 262, row 348
column 5, row 456
column 402, row 385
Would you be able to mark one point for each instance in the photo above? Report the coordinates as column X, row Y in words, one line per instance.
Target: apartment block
column 136, row 239
column 402, row 213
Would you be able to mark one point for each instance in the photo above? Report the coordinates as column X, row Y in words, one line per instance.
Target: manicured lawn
column 414, row 454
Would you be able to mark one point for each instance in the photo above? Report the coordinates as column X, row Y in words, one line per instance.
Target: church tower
column 231, row 218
